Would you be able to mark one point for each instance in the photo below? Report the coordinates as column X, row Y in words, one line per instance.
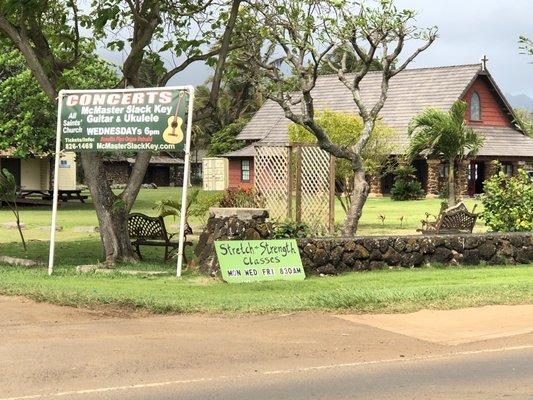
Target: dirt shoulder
column 47, row 348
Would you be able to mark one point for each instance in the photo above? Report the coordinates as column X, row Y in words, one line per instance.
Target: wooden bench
column 151, row 231
column 455, row 219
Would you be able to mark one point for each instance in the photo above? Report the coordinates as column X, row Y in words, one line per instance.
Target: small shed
column 241, row 167
column 35, row 173
column 215, row 173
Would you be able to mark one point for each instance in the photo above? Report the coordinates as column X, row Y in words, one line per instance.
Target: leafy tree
column 446, row 135
column 8, row 195
column 27, row 117
column 353, row 63
column 239, row 99
column 346, row 130
column 508, row 202
column 225, row 140
column 526, row 45
column 48, row 33
column 300, row 34
column 525, row 120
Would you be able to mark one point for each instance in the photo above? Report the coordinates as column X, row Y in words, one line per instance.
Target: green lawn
column 73, row 248
column 377, row 291
column 383, row 291
column 71, row 215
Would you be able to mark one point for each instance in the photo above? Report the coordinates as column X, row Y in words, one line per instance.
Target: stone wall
column 229, row 224
column 337, row 255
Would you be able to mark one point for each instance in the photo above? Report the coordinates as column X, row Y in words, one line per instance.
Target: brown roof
column 410, row 92
column 504, row 141
column 247, row 151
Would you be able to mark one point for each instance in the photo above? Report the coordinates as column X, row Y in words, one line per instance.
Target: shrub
column 198, row 204
column 406, row 186
column 289, row 229
column 241, row 198
column 508, row 203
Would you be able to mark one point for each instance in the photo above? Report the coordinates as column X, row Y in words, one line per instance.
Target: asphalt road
column 49, row 352
column 503, row 374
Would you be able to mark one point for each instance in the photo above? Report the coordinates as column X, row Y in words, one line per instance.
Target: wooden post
column 289, row 182
column 331, row 194
column 298, row 183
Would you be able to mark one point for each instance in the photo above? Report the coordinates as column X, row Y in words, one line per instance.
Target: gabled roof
column 247, row 151
column 504, row 141
column 410, row 92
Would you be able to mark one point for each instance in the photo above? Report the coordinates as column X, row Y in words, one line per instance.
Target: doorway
column 476, row 173
column 13, row 166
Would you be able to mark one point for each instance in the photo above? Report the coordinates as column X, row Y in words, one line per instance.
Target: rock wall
column 337, row 255
column 229, row 224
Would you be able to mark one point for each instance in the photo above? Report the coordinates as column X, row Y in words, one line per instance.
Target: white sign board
column 116, row 120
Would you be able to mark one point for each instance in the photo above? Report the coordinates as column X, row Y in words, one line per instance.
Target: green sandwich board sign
column 259, row 260
column 153, row 119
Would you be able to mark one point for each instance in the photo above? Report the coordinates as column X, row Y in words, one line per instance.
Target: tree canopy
column 301, row 36
column 27, row 116
column 525, row 120
column 345, row 130
column 52, row 36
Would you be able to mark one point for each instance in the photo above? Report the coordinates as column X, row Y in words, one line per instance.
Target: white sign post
column 55, row 188
column 152, row 129
column 186, row 173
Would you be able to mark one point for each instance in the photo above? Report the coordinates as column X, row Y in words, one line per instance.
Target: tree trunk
column 21, row 234
column 451, row 182
column 359, row 195
column 112, row 210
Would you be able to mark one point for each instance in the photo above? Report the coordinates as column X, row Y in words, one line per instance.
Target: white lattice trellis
column 315, row 187
column 272, row 179
column 312, row 172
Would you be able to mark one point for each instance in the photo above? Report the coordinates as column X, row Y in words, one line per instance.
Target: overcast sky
column 470, row 28
column 467, row 30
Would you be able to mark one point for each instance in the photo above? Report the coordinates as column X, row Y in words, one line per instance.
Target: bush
column 289, row 229
column 241, row 198
column 406, row 186
column 508, row 203
column 198, row 204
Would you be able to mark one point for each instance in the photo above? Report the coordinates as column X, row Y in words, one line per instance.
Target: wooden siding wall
column 492, row 109
column 234, row 169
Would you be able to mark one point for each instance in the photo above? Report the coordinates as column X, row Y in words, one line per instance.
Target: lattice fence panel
column 315, row 187
column 272, row 177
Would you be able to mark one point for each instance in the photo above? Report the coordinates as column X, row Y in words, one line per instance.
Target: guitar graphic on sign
column 173, row 133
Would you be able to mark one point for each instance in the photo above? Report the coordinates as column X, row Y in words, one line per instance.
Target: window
column 245, row 171
column 443, row 171
column 507, row 169
column 475, row 107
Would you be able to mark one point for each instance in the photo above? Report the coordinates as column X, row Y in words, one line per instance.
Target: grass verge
column 377, row 291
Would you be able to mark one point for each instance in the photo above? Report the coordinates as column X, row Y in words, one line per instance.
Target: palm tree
column 446, row 135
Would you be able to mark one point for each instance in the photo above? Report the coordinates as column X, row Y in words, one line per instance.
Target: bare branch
column 415, row 54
